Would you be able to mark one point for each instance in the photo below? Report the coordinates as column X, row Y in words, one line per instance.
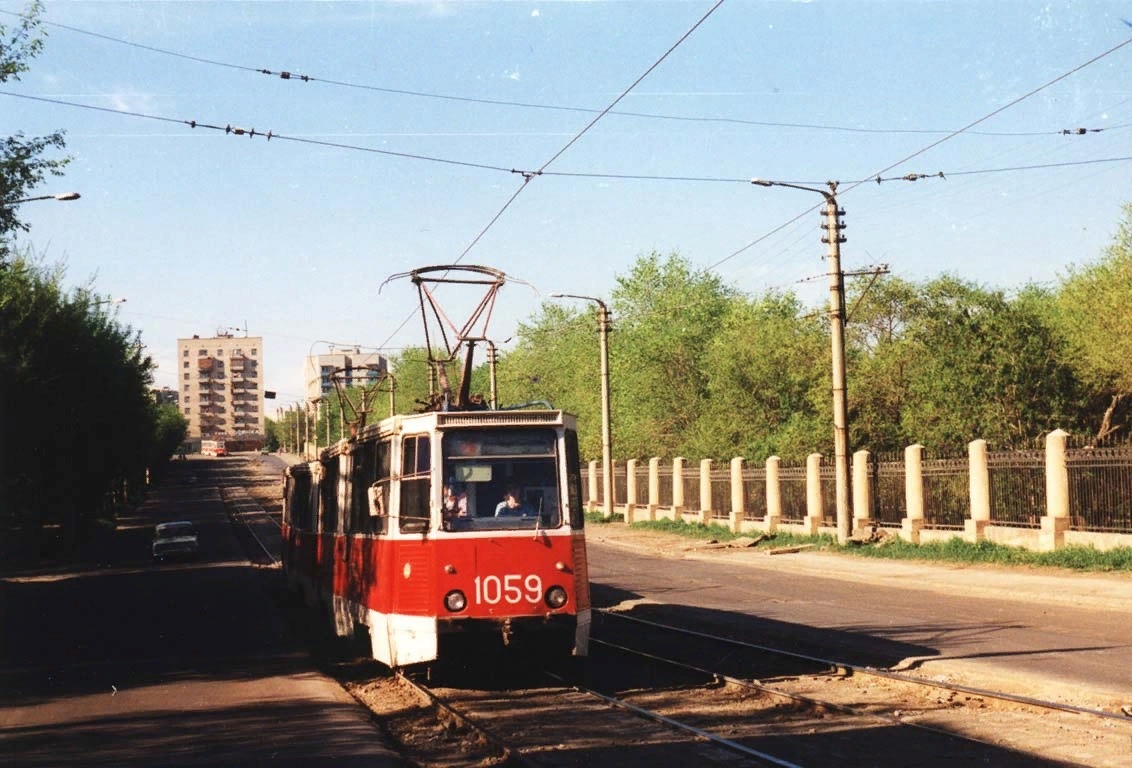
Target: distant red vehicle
column 213, row 448
column 368, row 536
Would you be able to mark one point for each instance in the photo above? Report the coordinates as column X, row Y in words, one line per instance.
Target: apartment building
column 351, row 366
column 220, row 386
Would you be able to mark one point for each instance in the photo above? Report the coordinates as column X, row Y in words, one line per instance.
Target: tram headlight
column 455, row 601
column 556, row 597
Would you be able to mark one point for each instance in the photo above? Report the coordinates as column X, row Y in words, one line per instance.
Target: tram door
column 413, row 634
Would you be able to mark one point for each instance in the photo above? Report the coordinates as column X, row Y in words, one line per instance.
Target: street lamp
column 57, row 196
column 606, row 434
column 833, row 227
column 109, row 301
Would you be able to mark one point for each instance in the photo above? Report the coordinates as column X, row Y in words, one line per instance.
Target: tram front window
column 500, row 480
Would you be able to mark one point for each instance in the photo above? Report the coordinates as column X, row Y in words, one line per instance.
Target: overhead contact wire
column 287, row 75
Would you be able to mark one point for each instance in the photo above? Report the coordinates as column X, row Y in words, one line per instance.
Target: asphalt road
column 1001, row 638
column 120, row 661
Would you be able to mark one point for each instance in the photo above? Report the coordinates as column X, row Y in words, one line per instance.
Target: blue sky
column 200, row 230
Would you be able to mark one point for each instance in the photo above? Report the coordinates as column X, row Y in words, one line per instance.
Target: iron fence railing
column 889, row 494
column 620, row 484
column 792, row 491
column 664, row 498
column 947, row 498
column 1017, row 487
column 691, row 489
column 721, row 494
column 754, row 493
column 827, row 474
column 1100, row 489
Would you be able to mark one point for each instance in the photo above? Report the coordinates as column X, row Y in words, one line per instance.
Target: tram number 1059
column 512, row 588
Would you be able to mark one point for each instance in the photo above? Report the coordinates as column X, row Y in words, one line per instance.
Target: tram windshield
column 500, row 479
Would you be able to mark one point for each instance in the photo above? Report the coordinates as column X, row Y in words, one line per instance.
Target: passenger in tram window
column 455, row 501
column 513, row 505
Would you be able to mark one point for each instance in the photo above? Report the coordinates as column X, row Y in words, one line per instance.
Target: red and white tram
column 368, row 536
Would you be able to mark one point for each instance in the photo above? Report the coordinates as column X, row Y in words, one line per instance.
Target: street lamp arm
column 599, row 302
column 56, row 196
column 829, row 196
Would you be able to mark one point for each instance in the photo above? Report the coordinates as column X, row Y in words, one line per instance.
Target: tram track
column 856, row 669
column 492, row 718
column 996, row 723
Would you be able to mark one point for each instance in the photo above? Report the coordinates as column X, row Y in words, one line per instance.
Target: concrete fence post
column 654, row 486
column 815, row 509
column 913, row 523
column 705, row 492
column 1056, row 520
column 630, row 489
column 862, row 494
column 678, row 489
column 738, row 500
column 975, row 526
column 592, row 501
column 773, row 494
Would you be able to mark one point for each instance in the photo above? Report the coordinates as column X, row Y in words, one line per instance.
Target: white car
column 176, row 539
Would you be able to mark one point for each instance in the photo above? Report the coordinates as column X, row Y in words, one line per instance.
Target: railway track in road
column 576, row 718
column 937, row 710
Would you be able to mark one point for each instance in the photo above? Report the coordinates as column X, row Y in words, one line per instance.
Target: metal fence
column 947, row 497
column 1100, row 488
column 792, row 488
column 721, row 494
column 1017, row 488
column 691, row 489
column 664, row 498
column 754, row 493
column 890, row 500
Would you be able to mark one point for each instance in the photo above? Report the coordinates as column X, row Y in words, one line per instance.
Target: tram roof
column 412, row 422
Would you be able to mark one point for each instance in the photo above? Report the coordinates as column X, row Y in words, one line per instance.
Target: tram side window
column 298, row 502
column 312, row 505
column 363, row 471
column 329, row 489
column 379, row 519
column 574, row 480
column 415, row 483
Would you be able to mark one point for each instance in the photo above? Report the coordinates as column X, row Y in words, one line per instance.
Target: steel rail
column 809, row 700
column 733, row 746
column 863, row 670
column 488, row 735
column 236, row 515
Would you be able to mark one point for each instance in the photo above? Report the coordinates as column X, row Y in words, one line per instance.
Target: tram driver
column 513, row 504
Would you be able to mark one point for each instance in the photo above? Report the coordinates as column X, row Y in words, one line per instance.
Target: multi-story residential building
column 165, row 396
column 354, row 369
column 220, row 384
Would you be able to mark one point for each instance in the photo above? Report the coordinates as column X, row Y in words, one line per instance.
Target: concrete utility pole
column 603, row 323
column 833, row 226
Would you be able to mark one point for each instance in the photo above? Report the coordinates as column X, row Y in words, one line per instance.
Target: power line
column 879, row 174
column 1001, row 109
column 287, row 75
column 528, row 176
column 268, row 135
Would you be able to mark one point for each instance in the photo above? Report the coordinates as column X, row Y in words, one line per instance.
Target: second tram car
column 432, row 526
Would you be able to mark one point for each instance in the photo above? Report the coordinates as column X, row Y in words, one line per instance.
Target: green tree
column 79, row 429
column 665, row 315
column 769, row 383
column 1094, row 311
column 983, row 366
column 23, row 165
column 878, row 352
